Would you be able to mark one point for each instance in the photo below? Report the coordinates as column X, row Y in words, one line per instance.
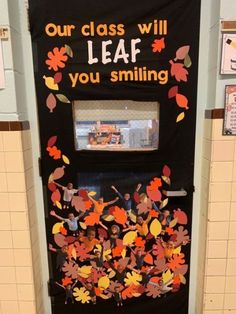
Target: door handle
column 178, row 193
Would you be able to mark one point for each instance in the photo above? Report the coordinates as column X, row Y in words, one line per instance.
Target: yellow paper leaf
column 177, row 250
column 180, row 117
column 50, row 178
column 58, row 204
column 167, row 277
column 85, row 271
column 108, row 217
column 123, row 253
column 182, row 279
column 63, row 98
column 136, row 295
column 103, row 296
column 92, row 193
column 132, row 217
column 166, row 179
column 49, row 82
column 129, row 237
column 173, row 222
column 65, row 159
column 56, row 228
column 164, row 203
column 104, row 282
column 111, row 273
column 83, row 225
column 155, row 227
column 73, row 253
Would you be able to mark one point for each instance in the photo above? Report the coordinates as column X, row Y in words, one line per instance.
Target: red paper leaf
column 181, row 216
column 58, row 173
column 182, row 101
column 153, row 191
column 66, row 281
column 120, row 215
column 166, row 171
column 92, row 219
column 56, row 196
column 173, row 91
column 158, row 45
column 51, row 102
column 136, row 197
column 84, row 194
column 52, row 187
column 182, row 52
column 148, row 259
column 57, row 77
column 52, row 141
column 178, row 71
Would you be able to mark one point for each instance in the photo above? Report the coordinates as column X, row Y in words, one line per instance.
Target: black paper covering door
column 123, row 254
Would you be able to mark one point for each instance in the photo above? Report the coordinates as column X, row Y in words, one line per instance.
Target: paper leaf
column 187, row 61
column 108, row 218
column 166, row 171
column 51, row 102
column 129, row 237
column 155, row 228
column 181, row 216
column 182, row 279
column 163, row 203
column 173, row 91
column 182, row 52
column 167, row 276
column 52, row 141
column 65, row 159
column 104, row 282
column 63, row 98
column 177, row 250
column 50, row 178
column 133, row 217
column 58, row 204
column 83, row 225
column 92, row 193
column 173, row 222
column 57, row 77
column 69, row 51
column 58, row 173
column 49, row 82
column 180, row 117
column 166, row 179
column 148, row 259
column 56, row 228
column 182, row 101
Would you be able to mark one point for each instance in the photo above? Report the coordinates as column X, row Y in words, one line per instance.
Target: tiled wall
column 219, row 172
column 19, row 246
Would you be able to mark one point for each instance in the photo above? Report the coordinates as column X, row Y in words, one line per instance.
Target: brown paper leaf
column 63, row 98
column 69, row 51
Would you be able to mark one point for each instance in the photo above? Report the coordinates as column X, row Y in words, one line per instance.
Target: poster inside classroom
column 117, row 239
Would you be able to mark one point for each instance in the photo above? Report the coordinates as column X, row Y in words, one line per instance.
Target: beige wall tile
column 24, row 275
column 8, row 292
column 206, row 149
column 222, row 151
column 4, row 202
column 231, row 267
column 215, row 284
column 19, row 221
column 221, row 171
column 27, row 307
column 219, row 211
column 12, row 141
column 5, row 223
column 1, row 142
column 213, row 312
column 230, row 301
column 22, row 257
column 217, row 249
column 6, row 240
column 21, row 239
column 213, row 301
column 9, row 307
column 232, row 230
column 14, row 162
column 233, row 211
column 16, row 182
column 229, row 312
column 7, row 275
column 25, row 292
column 3, row 182
column 232, row 249
column 2, row 162
column 233, row 192
column 7, row 258
column 17, row 202
column 26, row 139
column 28, row 162
column 207, row 129
column 216, row 267
column 218, row 230
column 217, row 129
column 230, row 284
column 220, row 192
